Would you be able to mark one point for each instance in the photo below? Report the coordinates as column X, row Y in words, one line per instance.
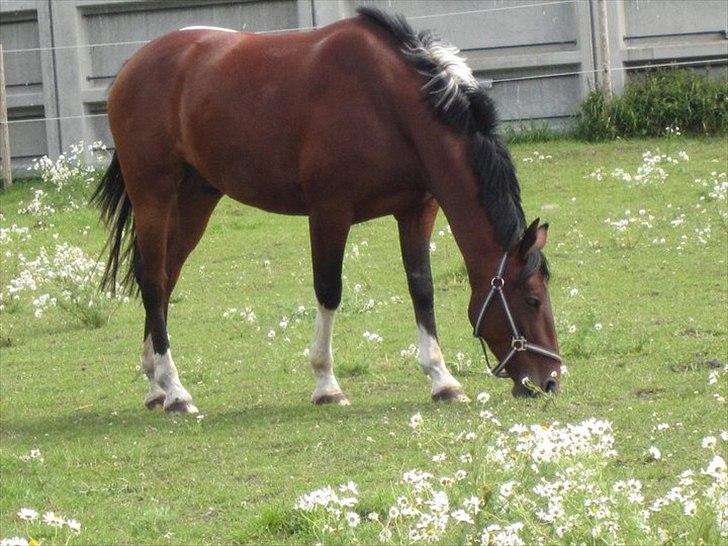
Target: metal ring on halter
column 519, row 343
column 497, row 282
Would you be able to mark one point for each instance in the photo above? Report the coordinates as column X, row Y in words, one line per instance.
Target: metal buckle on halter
column 497, row 282
column 519, row 343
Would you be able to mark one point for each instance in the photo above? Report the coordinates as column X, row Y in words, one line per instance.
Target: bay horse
column 356, row 120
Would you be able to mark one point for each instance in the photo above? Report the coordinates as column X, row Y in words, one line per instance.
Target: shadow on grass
column 88, row 423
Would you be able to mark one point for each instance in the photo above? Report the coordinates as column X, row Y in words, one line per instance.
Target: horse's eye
column 533, row 302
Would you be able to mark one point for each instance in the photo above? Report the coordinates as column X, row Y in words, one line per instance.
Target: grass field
column 639, row 291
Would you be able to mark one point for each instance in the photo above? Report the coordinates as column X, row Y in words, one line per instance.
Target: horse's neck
column 454, row 185
column 475, row 238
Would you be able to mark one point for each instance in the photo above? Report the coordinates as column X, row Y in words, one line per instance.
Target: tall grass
column 534, row 132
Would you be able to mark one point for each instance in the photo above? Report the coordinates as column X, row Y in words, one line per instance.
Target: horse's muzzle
column 550, row 386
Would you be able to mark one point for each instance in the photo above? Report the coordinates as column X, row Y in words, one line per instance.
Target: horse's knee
column 421, row 289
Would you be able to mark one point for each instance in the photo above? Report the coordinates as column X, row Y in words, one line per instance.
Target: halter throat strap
column 518, row 342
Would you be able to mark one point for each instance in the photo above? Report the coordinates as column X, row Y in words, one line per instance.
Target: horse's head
column 514, row 317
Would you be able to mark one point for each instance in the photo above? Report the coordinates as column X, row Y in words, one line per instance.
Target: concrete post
column 605, row 67
column 48, row 71
column 615, row 13
column 585, row 45
column 4, row 130
column 304, row 9
column 67, row 32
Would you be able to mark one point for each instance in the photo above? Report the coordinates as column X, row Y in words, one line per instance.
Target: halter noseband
column 518, row 342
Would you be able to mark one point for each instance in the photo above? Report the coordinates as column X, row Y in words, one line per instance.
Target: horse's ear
column 529, row 238
column 542, row 236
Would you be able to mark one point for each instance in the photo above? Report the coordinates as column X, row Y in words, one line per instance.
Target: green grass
column 133, row 476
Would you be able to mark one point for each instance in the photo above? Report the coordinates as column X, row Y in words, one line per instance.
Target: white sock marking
column 155, row 391
column 433, row 363
column 321, row 356
column 164, row 378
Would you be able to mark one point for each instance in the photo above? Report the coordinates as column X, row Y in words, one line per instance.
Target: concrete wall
column 552, row 45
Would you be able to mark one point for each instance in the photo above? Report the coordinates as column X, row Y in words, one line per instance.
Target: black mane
column 464, row 106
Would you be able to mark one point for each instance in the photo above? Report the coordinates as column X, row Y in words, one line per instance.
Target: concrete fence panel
column 540, row 57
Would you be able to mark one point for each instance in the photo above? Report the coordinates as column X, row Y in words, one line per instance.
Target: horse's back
column 151, row 78
column 269, row 119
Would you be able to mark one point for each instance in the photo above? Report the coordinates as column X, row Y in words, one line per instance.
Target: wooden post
column 606, row 74
column 4, row 128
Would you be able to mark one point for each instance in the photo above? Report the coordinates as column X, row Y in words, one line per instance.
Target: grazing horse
column 356, row 120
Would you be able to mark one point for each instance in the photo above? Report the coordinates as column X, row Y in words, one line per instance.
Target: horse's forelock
column 535, row 262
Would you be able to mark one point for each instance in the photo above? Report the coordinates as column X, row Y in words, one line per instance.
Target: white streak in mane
column 446, row 55
column 209, row 28
column 454, row 72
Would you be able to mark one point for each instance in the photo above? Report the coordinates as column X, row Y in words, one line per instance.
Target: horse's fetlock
column 321, row 361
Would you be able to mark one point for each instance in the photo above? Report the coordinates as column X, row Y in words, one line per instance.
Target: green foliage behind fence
column 657, row 103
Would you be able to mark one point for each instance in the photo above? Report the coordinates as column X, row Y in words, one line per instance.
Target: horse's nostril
column 551, row 386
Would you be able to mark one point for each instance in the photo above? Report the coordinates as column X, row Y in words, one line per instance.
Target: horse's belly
column 269, row 197
column 238, row 169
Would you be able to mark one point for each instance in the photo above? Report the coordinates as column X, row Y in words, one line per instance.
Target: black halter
column 518, row 342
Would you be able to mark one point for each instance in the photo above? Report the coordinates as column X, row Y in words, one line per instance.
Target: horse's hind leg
column 196, row 200
column 415, row 229
column 188, row 215
column 329, row 231
column 151, row 221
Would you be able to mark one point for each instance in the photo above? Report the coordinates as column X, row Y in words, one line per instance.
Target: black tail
column 116, row 212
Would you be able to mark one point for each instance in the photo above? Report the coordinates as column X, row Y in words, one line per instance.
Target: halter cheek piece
column 518, row 342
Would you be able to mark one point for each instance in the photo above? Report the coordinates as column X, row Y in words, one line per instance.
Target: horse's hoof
column 451, row 394
column 153, row 402
column 181, row 406
column 338, row 398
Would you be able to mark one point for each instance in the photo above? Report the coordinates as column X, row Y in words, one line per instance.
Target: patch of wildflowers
column 372, row 336
column 416, row 420
column 537, row 157
column 68, row 278
column 14, row 234
column 33, row 455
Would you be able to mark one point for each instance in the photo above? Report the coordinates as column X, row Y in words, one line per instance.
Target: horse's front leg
column 415, row 229
column 328, row 231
